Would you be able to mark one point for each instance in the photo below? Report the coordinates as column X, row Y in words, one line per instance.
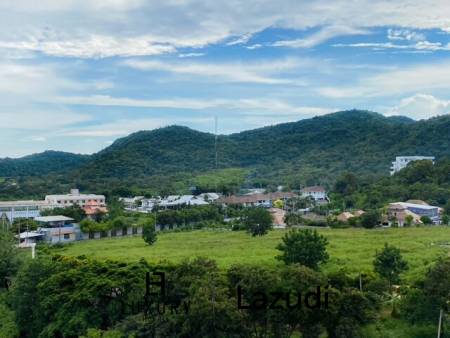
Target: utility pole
column 440, row 323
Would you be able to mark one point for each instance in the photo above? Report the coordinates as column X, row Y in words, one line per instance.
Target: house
column 399, row 211
column 317, row 193
column 74, row 198
column 181, row 200
column 402, row 162
column 92, row 208
column 131, row 203
column 57, row 229
column 256, row 200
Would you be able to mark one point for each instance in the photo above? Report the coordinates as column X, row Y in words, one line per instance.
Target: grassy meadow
column 349, row 249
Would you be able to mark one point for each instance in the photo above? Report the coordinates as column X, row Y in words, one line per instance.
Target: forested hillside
column 41, row 164
column 311, row 151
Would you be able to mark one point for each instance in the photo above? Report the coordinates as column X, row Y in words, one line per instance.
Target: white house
column 74, row 198
column 315, row 192
column 402, row 161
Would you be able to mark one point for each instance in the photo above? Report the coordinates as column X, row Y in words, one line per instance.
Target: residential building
column 181, row 200
column 93, row 208
column 402, row 161
column 74, row 198
column 57, row 229
column 10, row 210
column 399, row 211
column 256, row 200
column 317, row 193
column 131, row 203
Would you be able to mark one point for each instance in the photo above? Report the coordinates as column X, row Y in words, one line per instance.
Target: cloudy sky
column 75, row 75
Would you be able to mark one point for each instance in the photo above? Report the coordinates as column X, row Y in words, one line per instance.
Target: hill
column 41, row 164
column 310, row 151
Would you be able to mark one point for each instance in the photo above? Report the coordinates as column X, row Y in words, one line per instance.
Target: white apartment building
column 74, row 198
column 316, row 192
column 402, row 161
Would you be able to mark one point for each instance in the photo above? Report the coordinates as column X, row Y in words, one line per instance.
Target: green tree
column 8, row 257
column 426, row 220
column 389, row 264
column 409, row 220
column 445, row 219
column 258, row 221
column 8, row 326
column 306, row 247
column 148, row 231
column 370, row 219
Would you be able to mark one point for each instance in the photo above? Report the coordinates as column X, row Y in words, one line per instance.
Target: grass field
column 351, row 249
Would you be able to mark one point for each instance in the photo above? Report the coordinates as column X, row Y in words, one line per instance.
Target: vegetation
column 306, row 247
column 148, row 231
column 257, row 221
column 170, row 160
column 389, row 263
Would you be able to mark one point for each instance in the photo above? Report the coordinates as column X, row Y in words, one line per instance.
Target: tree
column 370, row 219
column 8, row 257
column 409, row 220
column 426, row 220
column 306, row 247
column 445, row 220
column 258, row 221
column 148, row 231
column 389, row 264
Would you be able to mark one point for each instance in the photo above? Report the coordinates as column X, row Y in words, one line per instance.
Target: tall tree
column 389, row 263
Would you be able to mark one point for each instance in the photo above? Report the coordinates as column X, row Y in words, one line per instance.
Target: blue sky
column 76, row 75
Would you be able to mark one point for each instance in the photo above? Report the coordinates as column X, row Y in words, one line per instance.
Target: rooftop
column 47, row 219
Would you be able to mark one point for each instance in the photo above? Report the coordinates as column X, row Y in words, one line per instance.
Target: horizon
column 78, row 75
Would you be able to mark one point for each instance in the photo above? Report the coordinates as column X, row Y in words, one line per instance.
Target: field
column 350, row 249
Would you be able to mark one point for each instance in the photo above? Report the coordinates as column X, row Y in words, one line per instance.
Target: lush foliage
column 306, row 247
column 257, row 221
column 148, row 231
column 389, row 263
column 170, row 160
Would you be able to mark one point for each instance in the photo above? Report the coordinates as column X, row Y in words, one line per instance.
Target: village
column 308, row 206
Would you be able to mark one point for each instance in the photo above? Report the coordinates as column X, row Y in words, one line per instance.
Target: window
column 66, row 236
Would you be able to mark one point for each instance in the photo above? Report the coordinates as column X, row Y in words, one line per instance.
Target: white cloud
column 190, row 55
column 122, row 28
column 404, row 34
column 256, row 72
column 421, row 106
column 39, row 120
column 262, row 106
column 322, row 35
column 94, row 46
column 243, row 39
column 420, row 45
column 417, row 78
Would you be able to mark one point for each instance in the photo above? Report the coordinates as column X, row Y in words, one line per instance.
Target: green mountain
column 310, row 151
column 41, row 164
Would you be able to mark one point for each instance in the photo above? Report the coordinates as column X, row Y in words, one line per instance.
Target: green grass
column 351, row 249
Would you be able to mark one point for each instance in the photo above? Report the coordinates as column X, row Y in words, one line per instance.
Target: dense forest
column 172, row 159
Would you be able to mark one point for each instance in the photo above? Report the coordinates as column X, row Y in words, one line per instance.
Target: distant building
column 57, row 229
column 317, row 193
column 256, row 200
column 74, row 198
column 131, row 203
column 402, row 161
column 399, row 212
column 10, row 210
column 181, row 200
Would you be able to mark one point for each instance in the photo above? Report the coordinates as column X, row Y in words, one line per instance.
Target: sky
column 76, row 75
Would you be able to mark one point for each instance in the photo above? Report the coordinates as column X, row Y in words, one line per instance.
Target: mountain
column 310, row 151
column 41, row 164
